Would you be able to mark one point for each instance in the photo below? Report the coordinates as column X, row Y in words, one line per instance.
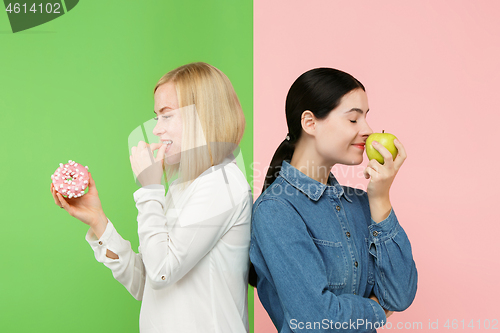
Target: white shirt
column 192, row 267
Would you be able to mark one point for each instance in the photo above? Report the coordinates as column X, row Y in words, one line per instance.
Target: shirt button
column 163, row 277
column 375, row 233
column 348, row 234
column 100, row 243
column 338, row 208
column 356, row 264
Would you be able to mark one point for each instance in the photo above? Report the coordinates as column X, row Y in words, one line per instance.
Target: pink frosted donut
column 71, row 179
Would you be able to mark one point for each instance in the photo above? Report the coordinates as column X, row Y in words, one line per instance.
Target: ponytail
column 284, row 152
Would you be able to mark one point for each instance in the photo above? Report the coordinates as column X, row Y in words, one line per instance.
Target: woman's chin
column 355, row 160
column 172, row 159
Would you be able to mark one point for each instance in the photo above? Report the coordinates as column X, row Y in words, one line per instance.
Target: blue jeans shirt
column 319, row 255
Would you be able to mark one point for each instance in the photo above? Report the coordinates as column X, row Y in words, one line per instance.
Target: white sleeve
column 128, row 269
column 173, row 241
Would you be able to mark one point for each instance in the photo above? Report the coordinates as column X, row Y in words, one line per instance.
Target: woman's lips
column 168, row 147
column 360, row 146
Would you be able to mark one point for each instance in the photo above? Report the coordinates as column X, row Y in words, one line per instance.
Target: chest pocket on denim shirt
column 335, row 260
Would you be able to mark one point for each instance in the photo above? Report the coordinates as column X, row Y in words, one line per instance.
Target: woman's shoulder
column 234, row 171
column 273, row 196
column 220, row 179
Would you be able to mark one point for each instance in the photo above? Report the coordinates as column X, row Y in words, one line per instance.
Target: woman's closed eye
column 156, row 118
column 353, row 121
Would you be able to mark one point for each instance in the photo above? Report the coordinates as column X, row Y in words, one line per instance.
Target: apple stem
column 382, row 131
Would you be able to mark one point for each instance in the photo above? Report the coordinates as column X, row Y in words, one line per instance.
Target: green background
column 74, row 88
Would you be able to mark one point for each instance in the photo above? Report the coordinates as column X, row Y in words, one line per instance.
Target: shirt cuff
column 385, row 229
column 110, row 239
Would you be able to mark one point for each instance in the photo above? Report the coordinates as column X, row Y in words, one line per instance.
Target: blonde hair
column 209, row 102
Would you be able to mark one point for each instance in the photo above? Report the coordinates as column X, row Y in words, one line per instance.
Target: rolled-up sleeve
column 395, row 270
column 288, row 262
column 128, row 269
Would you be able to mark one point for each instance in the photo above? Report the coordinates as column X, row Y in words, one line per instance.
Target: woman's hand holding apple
column 381, row 178
column 382, row 175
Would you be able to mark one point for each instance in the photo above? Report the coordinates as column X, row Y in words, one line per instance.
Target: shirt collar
column 310, row 187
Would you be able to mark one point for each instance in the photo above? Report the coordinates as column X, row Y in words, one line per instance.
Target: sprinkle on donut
column 71, row 179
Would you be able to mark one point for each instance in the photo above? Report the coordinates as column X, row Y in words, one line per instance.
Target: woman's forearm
column 99, row 225
column 98, row 228
column 380, row 208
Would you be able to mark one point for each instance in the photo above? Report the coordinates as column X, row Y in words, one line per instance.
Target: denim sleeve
column 286, row 256
column 395, row 271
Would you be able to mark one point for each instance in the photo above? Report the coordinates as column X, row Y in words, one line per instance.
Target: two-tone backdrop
column 77, row 86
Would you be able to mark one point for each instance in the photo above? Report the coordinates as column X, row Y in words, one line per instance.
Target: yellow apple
column 386, row 140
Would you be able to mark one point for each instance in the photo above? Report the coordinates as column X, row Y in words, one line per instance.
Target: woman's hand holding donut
column 86, row 208
column 146, row 167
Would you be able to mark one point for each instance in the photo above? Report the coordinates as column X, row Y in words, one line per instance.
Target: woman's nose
column 366, row 130
column 157, row 130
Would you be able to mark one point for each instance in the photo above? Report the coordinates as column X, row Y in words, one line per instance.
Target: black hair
column 318, row 90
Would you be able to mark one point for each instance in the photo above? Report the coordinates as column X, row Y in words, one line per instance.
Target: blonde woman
column 192, row 267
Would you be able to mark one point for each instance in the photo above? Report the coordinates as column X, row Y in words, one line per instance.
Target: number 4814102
column 49, row 8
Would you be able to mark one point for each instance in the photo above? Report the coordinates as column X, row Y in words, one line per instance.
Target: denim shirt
column 319, row 255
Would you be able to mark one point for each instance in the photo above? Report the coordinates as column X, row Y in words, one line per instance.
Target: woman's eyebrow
column 357, row 110
column 163, row 109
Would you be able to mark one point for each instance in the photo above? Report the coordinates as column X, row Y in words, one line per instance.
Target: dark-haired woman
column 327, row 257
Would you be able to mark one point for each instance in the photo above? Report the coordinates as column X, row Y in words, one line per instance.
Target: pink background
column 431, row 71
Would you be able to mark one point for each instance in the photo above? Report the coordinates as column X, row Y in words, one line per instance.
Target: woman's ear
column 308, row 122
